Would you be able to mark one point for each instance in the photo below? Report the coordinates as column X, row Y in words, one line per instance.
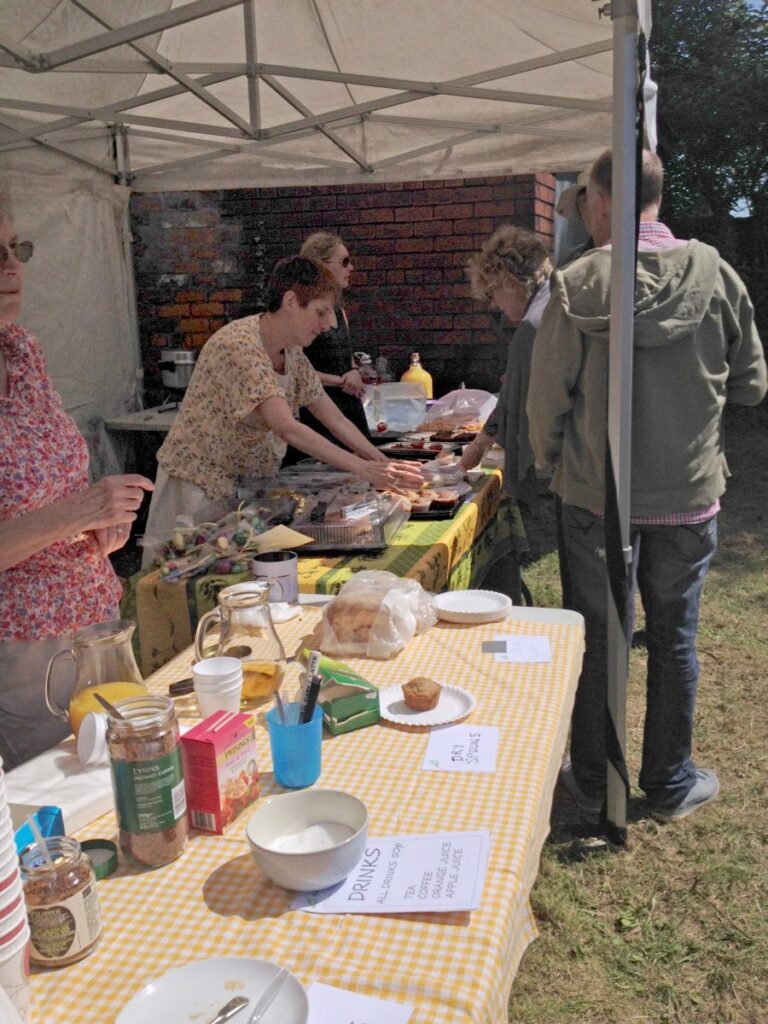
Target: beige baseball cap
column 566, row 204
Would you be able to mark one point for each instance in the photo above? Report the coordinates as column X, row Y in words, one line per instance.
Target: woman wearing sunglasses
column 55, row 530
column 331, row 352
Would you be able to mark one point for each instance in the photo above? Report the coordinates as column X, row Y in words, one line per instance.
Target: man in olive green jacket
column 695, row 348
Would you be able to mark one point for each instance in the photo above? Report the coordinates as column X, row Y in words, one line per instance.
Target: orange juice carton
column 221, row 774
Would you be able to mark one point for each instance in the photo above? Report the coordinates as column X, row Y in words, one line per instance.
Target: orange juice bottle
column 416, row 374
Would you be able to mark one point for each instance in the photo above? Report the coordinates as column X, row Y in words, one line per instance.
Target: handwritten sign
column 521, row 649
column 462, row 748
column 410, row 874
column 329, row 1005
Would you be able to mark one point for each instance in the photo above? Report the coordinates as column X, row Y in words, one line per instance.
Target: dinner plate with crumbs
column 472, row 607
column 195, row 992
column 454, row 704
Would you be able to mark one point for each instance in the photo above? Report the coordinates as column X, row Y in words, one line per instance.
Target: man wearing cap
column 695, row 348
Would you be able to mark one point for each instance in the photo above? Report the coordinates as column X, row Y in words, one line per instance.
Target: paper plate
column 454, row 704
column 197, row 990
column 472, row 606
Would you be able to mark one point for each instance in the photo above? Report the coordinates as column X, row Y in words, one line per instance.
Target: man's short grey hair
column 651, row 177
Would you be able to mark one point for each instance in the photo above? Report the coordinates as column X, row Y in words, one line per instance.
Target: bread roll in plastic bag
column 375, row 615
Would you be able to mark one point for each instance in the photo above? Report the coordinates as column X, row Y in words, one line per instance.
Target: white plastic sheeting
column 75, row 294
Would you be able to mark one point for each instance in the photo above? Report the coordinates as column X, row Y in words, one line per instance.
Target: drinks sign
column 437, row 873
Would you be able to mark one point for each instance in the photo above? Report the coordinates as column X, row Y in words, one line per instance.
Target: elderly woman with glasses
column 56, row 530
column 511, row 274
column 331, row 353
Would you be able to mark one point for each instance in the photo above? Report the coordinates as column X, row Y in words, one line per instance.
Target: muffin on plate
column 422, row 693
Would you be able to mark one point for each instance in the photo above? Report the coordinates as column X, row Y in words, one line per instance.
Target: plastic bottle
column 416, row 374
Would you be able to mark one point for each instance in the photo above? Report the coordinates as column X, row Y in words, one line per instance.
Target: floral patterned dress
column 209, row 444
column 43, row 458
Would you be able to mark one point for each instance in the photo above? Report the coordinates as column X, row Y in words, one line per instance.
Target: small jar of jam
column 62, row 905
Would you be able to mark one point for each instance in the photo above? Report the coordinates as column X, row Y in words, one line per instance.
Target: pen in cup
column 312, row 681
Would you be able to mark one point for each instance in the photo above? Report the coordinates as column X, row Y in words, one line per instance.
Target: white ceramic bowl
column 292, row 813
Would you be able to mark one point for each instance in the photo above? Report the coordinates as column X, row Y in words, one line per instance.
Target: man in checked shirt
column 695, row 348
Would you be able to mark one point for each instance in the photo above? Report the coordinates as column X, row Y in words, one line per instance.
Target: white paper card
column 329, row 1005
column 462, row 748
column 410, row 874
column 522, row 649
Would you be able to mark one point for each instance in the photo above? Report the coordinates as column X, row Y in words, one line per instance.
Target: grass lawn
column 675, row 927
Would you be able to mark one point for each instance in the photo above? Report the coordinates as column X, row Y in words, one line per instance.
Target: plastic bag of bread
column 374, row 615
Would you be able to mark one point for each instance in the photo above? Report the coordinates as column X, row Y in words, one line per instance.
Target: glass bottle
column 246, row 631
column 62, row 905
column 148, row 780
column 104, row 664
column 416, row 374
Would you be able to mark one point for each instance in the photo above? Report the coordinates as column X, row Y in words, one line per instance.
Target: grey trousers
column 27, row 727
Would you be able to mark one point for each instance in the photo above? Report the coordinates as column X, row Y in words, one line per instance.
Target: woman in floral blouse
column 55, row 530
column 241, row 408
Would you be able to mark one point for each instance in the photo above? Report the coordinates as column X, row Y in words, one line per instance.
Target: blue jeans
column 669, row 564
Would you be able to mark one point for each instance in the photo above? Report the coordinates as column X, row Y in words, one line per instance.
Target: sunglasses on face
column 345, row 261
column 21, row 250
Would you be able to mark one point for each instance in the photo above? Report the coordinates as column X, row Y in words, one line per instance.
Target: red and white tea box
column 221, row 773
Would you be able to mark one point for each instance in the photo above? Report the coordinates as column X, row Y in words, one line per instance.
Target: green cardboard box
column 348, row 701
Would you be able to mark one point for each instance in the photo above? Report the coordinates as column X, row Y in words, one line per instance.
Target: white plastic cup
column 12, row 928
column 221, row 700
column 211, row 670
column 11, row 900
column 14, row 973
column 215, row 683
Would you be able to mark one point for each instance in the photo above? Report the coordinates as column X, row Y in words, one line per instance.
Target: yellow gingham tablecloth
column 455, row 968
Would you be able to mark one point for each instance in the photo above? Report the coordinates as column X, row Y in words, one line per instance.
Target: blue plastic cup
column 296, row 749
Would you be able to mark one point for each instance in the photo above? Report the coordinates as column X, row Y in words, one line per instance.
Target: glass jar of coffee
column 62, row 905
column 148, row 780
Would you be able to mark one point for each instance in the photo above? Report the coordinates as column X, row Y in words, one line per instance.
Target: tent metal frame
column 195, row 78
column 238, row 135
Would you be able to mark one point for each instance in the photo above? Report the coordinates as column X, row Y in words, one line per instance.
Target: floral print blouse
column 209, row 444
column 43, row 458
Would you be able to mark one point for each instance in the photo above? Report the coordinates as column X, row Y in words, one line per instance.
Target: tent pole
column 123, row 178
column 623, row 189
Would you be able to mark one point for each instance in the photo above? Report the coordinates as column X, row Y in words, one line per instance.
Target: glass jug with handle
column 246, row 631
column 104, row 664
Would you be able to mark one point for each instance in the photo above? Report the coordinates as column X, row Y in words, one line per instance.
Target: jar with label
column 148, row 780
column 62, row 905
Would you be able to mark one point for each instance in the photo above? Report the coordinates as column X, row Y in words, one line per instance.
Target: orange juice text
column 85, row 701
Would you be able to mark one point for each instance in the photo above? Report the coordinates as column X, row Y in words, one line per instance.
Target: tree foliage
column 710, row 58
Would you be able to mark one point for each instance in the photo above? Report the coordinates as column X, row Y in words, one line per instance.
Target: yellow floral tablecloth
column 454, row 968
column 450, row 554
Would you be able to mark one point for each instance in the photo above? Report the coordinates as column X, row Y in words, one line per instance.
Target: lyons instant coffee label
column 149, row 794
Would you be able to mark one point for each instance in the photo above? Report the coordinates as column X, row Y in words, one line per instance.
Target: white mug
column 281, row 570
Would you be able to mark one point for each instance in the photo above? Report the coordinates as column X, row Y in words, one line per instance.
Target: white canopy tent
column 209, row 94
column 101, row 96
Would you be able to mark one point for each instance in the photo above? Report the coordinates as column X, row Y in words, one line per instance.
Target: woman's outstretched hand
column 385, row 475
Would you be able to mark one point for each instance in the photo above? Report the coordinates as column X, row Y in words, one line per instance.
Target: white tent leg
column 123, row 177
column 623, row 189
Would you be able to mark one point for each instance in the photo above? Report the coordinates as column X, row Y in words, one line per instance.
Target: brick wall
column 200, row 260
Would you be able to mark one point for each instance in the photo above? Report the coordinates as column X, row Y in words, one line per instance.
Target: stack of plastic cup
column 14, row 927
column 218, row 684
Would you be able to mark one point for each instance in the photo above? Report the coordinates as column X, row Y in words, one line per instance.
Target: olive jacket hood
column 695, row 346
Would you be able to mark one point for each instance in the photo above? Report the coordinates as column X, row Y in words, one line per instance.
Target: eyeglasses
column 21, row 250
column 345, row 261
